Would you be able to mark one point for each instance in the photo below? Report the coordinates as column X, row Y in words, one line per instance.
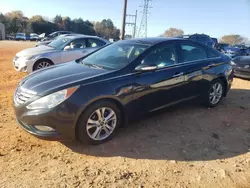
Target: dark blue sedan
column 90, row 98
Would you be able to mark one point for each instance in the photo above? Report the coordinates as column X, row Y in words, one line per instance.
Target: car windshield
column 115, row 56
column 59, row 43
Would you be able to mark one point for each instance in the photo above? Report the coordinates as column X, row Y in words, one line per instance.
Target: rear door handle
column 178, row 74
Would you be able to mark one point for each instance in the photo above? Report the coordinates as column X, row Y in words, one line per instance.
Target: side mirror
column 67, row 48
column 146, row 68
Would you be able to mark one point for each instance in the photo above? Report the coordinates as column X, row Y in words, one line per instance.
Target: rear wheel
column 215, row 93
column 98, row 123
column 42, row 64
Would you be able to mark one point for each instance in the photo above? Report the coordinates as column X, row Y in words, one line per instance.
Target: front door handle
column 178, row 74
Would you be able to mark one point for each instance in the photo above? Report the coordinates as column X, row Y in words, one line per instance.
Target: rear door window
column 192, row 52
column 92, row 43
column 78, row 44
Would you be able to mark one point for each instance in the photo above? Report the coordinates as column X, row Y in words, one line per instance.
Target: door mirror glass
column 146, row 68
column 67, row 48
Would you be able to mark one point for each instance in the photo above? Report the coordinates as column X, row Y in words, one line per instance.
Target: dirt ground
column 186, row 146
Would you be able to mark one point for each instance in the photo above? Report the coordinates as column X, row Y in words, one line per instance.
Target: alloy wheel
column 101, row 123
column 216, row 92
column 43, row 64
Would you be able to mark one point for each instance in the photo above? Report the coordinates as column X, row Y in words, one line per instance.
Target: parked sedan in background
column 20, row 36
column 34, row 36
column 241, row 66
column 222, row 47
column 202, row 38
column 53, row 35
column 58, row 51
column 89, row 99
column 46, row 42
column 234, row 51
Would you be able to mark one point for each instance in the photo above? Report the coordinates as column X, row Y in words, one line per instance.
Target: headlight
column 232, row 63
column 30, row 57
column 53, row 99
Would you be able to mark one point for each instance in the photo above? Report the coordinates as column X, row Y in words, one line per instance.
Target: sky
column 213, row 17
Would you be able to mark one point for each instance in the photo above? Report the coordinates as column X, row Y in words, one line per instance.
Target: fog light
column 44, row 128
column 24, row 69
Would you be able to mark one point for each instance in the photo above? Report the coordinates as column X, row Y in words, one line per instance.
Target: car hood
column 35, row 51
column 61, row 76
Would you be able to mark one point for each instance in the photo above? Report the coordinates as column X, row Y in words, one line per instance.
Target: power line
column 131, row 21
column 143, row 29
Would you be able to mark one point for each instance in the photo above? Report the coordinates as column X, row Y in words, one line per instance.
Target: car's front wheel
column 215, row 93
column 98, row 123
column 42, row 64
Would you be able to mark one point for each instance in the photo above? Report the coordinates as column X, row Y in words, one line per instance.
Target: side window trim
column 94, row 39
column 160, row 46
column 79, row 40
column 192, row 44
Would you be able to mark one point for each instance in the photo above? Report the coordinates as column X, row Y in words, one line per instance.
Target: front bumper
column 62, row 119
column 46, row 135
column 21, row 65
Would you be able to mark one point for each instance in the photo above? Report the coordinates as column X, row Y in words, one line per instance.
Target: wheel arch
column 109, row 99
column 225, row 84
column 42, row 59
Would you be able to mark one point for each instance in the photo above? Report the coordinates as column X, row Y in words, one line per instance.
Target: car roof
column 151, row 40
column 79, row 36
column 60, row 32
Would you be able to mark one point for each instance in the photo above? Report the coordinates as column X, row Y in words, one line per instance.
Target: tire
column 91, row 131
column 42, row 64
column 215, row 93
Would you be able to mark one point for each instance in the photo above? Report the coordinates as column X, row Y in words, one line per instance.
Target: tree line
column 16, row 21
column 228, row 39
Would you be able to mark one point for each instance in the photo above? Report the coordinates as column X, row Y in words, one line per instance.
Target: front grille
column 23, row 95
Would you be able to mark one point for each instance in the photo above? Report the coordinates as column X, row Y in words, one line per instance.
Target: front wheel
column 98, row 123
column 215, row 93
column 42, row 64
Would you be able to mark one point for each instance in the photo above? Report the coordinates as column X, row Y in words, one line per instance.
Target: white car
column 58, row 51
column 20, row 36
column 34, row 36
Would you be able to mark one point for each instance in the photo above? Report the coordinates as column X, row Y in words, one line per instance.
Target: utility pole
column 132, row 22
column 124, row 19
column 143, row 29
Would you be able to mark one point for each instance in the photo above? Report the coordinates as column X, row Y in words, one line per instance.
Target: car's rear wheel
column 42, row 64
column 98, row 123
column 215, row 93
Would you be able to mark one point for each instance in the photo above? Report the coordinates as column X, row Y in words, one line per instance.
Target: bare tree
column 233, row 39
column 173, row 32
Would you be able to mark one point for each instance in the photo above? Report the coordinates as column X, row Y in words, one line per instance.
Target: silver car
column 61, row 50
